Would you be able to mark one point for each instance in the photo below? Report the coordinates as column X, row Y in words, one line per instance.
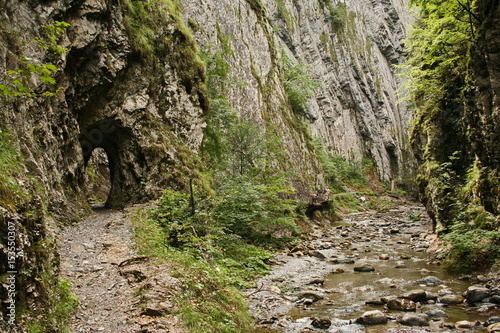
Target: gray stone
column 415, row 319
column 430, row 281
column 372, row 318
column 436, row 313
column 310, row 295
column 493, row 328
column 475, row 294
column 401, row 304
column 365, row 268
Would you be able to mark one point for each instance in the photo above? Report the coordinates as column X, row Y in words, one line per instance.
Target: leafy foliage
column 21, row 82
column 450, row 175
column 299, row 84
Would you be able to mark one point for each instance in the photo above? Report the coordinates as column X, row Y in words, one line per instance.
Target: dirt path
column 118, row 291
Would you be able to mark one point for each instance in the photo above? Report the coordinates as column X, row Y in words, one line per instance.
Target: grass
column 11, row 179
column 209, row 299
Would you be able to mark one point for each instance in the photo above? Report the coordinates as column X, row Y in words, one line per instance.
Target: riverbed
column 358, row 264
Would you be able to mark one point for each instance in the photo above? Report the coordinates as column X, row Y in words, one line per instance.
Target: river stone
column 493, row 328
column 372, row 318
column 417, row 295
column 415, row 319
column 366, row 268
column 400, row 264
column 451, row 299
column 464, row 324
column 342, row 261
column 436, row 313
column 322, row 323
column 317, row 254
column 494, row 299
column 430, row 281
column 492, row 320
column 475, row 294
column 383, row 257
column 310, row 295
column 401, row 304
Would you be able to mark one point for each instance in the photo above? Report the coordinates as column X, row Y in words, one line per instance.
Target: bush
column 472, row 251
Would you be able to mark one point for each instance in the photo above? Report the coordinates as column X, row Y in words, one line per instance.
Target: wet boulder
column 465, row 324
column 342, row 261
column 417, row 295
column 430, row 281
column 322, row 323
column 451, row 299
column 436, row 313
column 401, row 304
column 475, row 294
column 492, row 320
column 309, row 297
column 493, row 328
column 414, row 319
column 365, row 268
column 372, row 318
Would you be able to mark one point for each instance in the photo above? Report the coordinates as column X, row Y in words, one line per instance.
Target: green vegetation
column 61, row 306
column 11, row 181
column 16, row 83
column 285, row 15
column 144, row 21
column 453, row 177
column 336, row 15
column 299, row 84
column 220, row 242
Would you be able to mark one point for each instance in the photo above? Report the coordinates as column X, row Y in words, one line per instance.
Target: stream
column 369, row 261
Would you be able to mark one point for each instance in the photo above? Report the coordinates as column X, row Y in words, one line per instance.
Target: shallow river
column 396, row 238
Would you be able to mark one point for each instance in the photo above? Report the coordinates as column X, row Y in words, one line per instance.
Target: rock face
column 144, row 111
column 355, row 113
column 141, row 98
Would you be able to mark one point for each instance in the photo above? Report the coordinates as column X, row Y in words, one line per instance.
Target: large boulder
column 436, row 313
column 365, row 268
column 493, row 328
column 475, row 294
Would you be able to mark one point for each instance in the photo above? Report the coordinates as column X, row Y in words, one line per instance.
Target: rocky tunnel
column 109, row 139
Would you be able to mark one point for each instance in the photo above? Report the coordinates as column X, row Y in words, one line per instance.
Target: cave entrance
column 98, row 178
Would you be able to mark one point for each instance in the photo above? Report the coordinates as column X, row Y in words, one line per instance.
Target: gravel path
column 118, row 291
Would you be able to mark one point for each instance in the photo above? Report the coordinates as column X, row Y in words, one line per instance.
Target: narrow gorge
column 207, row 136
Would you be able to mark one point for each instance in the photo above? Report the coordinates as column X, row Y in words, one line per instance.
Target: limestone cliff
column 352, row 54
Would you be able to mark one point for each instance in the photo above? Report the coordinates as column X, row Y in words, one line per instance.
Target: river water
column 394, row 243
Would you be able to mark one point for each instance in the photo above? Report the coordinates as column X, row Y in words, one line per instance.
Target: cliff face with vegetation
column 143, row 106
column 456, row 125
column 130, row 77
column 349, row 49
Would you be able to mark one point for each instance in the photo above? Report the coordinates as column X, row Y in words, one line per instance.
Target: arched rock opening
column 98, row 177
column 124, row 158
